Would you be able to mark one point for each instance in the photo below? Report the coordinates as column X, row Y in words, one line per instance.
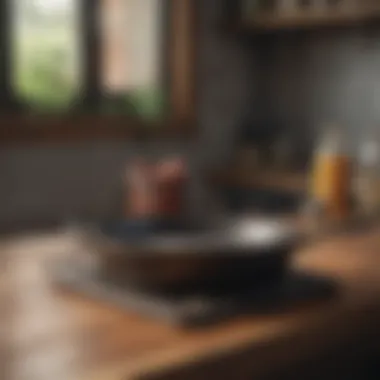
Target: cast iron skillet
column 238, row 249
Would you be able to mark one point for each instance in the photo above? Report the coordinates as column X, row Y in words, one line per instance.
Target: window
column 98, row 65
column 132, row 43
column 46, row 54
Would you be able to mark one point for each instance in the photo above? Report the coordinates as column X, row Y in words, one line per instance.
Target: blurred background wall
column 311, row 79
column 45, row 184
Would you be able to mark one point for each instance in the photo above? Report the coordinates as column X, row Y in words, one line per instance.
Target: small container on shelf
column 155, row 190
column 367, row 180
column 330, row 182
column 171, row 179
column 139, row 190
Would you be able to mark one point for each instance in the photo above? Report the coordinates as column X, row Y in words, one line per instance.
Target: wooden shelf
column 267, row 179
column 307, row 19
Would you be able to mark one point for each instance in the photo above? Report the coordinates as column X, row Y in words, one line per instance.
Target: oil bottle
column 330, row 182
column 367, row 176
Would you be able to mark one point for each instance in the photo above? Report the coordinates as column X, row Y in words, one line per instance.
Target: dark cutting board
column 194, row 309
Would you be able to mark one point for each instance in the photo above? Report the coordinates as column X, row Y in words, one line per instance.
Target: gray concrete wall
column 327, row 76
column 45, row 184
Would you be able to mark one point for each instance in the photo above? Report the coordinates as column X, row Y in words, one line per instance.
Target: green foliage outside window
column 47, row 71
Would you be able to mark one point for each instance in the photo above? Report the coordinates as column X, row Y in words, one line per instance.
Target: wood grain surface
column 46, row 334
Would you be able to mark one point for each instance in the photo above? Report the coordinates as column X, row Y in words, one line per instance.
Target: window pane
column 46, row 53
column 132, row 37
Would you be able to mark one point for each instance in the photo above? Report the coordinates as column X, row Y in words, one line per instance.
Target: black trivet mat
column 198, row 309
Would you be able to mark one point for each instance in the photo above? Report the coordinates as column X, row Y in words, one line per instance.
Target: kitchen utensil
column 238, row 248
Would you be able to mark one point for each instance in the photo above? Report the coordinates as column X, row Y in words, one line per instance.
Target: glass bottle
column 330, row 185
column 367, row 181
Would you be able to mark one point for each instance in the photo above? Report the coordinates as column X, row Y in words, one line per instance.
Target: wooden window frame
column 16, row 127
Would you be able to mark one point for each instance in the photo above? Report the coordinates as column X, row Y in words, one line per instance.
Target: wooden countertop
column 46, row 334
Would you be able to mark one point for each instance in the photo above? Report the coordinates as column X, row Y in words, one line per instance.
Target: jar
column 170, row 180
column 139, row 192
column 155, row 190
column 367, row 181
column 330, row 184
